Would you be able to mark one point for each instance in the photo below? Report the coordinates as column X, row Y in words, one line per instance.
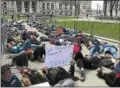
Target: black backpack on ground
column 91, row 63
column 21, row 60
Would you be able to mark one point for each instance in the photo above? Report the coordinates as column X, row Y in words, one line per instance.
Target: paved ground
column 91, row 78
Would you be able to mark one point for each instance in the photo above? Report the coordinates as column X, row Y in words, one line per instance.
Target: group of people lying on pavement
column 103, row 57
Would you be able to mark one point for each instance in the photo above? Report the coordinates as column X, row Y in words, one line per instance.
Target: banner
column 58, row 56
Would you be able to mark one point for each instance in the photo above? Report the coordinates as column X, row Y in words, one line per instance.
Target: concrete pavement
column 91, row 78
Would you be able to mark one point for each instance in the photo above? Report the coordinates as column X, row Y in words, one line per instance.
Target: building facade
column 46, row 7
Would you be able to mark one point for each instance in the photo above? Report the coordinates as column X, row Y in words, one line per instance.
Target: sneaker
column 82, row 76
column 75, row 78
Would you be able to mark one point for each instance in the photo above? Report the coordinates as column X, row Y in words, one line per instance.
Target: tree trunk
column 105, row 8
column 112, row 4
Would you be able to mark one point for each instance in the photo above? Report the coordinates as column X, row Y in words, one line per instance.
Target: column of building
column 23, row 7
column 15, row 7
column 30, row 7
column 38, row 7
column 57, row 8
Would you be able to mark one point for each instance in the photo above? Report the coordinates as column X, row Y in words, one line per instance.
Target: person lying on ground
column 111, row 49
column 94, row 47
column 59, row 78
column 8, row 79
column 39, row 52
column 80, row 37
column 111, row 76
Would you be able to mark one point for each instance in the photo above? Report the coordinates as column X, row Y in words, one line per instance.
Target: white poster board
column 58, row 56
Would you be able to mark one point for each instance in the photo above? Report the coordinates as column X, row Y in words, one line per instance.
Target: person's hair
column 5, row 68
column 44, row 70
column 107, row 52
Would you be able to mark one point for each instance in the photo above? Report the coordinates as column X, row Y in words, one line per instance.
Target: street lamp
column 2, row 3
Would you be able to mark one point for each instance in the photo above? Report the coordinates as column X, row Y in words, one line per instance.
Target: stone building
column 46, row 7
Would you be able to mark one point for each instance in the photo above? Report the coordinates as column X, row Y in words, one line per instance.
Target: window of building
column 43, row 13
column 52, row 13
column 60, row 6
column 18, row 6
column 52, row 6
column 66, row 6
column 4, row 5
column 71, row 7
column 5, row 13
column 26, row 5
column 43, row 6
column 48, row 6
column 60, row 13
column 34, row 5
column 84, row 7
column 48, row 13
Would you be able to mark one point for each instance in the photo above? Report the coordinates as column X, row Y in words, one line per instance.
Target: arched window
column 48, row 6
column 52, row 6
column 26, row 5
column 18, row 6
column 66, row 6
column 34, row 5
column 43, row 6
column 60, row 6
column 4, row 5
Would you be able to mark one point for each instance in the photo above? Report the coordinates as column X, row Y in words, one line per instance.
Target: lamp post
column 2, row 3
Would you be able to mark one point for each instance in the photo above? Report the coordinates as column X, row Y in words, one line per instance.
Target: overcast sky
column 94, row 4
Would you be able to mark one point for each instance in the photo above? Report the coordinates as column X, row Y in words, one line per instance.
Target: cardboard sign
column 58, row 56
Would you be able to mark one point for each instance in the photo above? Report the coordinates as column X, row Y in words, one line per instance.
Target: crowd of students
column 27, row 46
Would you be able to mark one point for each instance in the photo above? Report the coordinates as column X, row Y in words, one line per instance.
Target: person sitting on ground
column 59, row 78
column 39, row 52
column 111, row 49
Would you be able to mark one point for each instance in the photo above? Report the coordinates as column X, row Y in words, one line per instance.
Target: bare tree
column 117, row 7
column 105, row 8
column 112, row 3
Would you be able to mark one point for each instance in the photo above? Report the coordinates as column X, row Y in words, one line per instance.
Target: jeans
column 94, row 50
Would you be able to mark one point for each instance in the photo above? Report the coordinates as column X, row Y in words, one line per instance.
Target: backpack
column 91, row 63
column 25, row 81
column 21, row 60
column 107, row 63
column 77, row 49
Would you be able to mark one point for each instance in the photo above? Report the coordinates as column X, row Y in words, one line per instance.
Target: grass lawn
column 108, row 30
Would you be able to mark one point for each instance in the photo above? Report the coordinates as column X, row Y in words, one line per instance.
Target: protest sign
column 58, row 56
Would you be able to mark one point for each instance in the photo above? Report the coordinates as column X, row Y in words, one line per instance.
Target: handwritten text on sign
column 58, row 56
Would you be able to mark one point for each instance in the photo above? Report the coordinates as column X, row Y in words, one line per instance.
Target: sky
column 94, row 4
